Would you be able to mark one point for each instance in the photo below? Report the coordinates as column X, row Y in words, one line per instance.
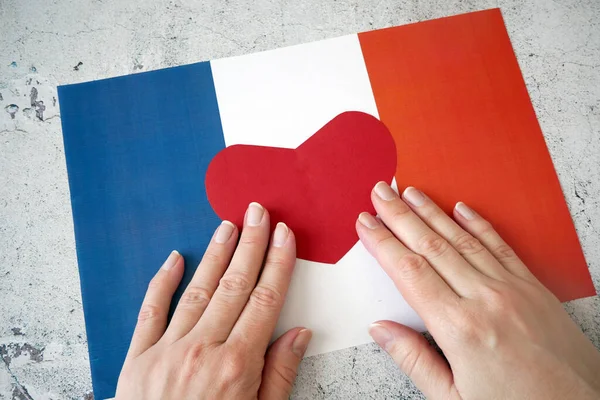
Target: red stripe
column 451, row 92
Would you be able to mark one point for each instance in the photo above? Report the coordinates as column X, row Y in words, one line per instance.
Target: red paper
column 318, row 189
column 451, row 92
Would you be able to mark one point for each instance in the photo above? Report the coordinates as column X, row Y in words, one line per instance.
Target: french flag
column 156, row 160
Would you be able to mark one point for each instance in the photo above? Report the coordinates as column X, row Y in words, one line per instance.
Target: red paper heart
column 317, row 189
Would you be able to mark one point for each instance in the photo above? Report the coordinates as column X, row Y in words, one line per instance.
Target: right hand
column 504, row 335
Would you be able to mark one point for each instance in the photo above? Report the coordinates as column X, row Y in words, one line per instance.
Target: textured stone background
column 51, row 42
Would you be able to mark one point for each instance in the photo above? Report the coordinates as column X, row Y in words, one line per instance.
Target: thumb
column 416, row 358
column 281, row 364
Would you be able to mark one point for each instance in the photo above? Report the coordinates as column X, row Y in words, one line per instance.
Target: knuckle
column 467, row 245
column 192, row 358
column 195, row 296
column 475, row 330
column 266, row 296
column 286, row 374
column 432, row 246
column 233, row 367
column 235, row 285
column 277, row 262
column 468, row 329
column 156, row 282
column 471, row 327
column 496, row 298
column 486, row 229
column 412, row 264
column 504, row 252
column 382, row 243
column 400, row 212
column 211, row 257
column 502, row 299
column 148, row 312
column 250, row 240
column 410, row 360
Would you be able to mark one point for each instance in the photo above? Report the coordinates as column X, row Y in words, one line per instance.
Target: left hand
column 216, row 345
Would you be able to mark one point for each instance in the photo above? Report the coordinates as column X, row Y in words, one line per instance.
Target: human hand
column 504, row 335
column 216, row 343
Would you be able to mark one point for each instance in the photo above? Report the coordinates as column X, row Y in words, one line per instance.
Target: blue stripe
column 137, row 149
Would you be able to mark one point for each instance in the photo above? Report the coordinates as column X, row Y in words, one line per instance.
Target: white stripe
column 279, row 98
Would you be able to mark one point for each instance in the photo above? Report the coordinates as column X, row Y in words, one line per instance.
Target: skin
column 502, row 333
column 216, row 344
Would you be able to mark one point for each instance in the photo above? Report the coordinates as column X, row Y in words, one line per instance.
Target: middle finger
column 238, row 281
column 421, row 239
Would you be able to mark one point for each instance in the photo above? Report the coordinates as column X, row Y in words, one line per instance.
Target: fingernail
column 280, row 235
column 382, row 336
column 384, row 191
column 368, row 220
column 301, row 342
column 224, row 232
column 414, row 196
column 255, row 214
column 171, row 260
column 464, row 210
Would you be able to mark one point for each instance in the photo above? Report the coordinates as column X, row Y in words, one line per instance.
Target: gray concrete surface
column 51, row 42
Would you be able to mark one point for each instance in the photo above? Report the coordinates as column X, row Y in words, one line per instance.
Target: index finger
column 420, row 285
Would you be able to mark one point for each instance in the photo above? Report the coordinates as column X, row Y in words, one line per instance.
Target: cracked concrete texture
column 46, row 43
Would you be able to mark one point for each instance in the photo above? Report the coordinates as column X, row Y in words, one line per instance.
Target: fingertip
column 172, row 261
column 175, row 272
column 256, row 215
column 381, row 335
column 385, row 333
column 224, row 232
column 301, row 342
column 285, row 342
column 283, row 239
column 358, row 225
column 291, row 238
column 368, row 221
column 362, row 231
column 280, row 235
column 464, row 212
column 413, row 196
column 283, row 235
column 395, row 327
column 383, row 191
column 180, row 260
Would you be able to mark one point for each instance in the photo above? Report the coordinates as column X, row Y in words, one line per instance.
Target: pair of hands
column 503, row 334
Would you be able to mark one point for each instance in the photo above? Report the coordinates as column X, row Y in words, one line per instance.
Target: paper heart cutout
column 317, row 189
